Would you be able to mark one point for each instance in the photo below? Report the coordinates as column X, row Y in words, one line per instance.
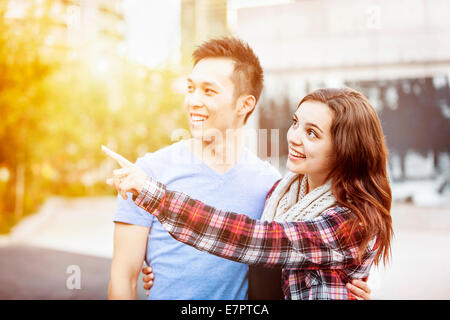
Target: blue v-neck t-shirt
column 183, row 272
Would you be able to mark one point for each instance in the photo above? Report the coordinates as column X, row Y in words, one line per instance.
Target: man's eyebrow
column 205, row 83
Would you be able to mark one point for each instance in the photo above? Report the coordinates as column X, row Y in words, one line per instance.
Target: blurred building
column 102, row 22
column 350, row 39
column 397, row 52
column 201, row 20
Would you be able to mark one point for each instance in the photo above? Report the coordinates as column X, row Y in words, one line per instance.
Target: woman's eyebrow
column 313, row 125
column 309, row 123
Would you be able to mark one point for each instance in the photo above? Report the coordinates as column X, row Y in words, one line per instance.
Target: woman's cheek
column 289, row 134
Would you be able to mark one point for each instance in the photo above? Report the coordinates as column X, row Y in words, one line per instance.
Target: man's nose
column 195, row 100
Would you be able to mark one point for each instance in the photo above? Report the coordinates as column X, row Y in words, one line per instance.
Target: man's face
column 209, row 100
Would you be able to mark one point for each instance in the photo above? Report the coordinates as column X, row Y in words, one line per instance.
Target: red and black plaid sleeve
column 311, row 244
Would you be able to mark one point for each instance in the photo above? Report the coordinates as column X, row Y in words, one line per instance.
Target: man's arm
column 130, row 245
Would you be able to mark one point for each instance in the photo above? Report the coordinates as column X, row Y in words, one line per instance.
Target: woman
column 325, row 223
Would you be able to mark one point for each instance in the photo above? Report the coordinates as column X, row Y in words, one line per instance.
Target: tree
column 56, row 110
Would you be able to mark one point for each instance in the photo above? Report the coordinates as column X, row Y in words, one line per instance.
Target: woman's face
column 310, row 142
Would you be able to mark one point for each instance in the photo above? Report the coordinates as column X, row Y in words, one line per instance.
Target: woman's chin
column 293, row 168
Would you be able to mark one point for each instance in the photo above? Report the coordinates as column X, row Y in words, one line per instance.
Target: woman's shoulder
column 338, row 211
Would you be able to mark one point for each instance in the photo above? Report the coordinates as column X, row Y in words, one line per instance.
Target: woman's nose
column 294, row 137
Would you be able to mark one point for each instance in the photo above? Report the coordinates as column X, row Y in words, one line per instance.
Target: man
column 222, row 91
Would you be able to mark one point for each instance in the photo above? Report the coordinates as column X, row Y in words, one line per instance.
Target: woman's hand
column 128, row 178
column 360, row 289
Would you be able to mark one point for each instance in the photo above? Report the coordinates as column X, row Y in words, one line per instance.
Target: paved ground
column 37, row 273
column 35, row 257
column 420, row 267
column 79, row 225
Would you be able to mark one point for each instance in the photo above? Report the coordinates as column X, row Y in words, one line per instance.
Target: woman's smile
column 295, row 155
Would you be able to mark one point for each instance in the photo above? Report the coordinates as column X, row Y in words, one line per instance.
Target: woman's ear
column 246, row 105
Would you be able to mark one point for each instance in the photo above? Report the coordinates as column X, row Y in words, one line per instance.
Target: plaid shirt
column 316, row 262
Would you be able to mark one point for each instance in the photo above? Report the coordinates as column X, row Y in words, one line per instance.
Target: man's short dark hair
column 248, row 74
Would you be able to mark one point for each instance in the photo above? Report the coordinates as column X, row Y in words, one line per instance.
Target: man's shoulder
column 163, row 155
column 153, row 164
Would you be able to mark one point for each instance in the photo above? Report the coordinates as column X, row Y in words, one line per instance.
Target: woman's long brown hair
column 359, row 175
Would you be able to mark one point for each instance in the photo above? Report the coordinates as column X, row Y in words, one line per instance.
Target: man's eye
column 209, row 91
column 190, row 88
column 294, row 122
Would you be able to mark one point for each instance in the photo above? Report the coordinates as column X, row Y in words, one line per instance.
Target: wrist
column 140, row 186
column 151, row 196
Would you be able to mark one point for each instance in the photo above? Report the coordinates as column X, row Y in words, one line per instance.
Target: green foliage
column 57, row 109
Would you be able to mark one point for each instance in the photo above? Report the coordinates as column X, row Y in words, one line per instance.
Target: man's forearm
column 121, row 288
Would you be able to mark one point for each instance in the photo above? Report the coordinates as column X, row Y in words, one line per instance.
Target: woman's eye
column 209, row 91
column 311, row 133
column 190, row 88
column 294, row 122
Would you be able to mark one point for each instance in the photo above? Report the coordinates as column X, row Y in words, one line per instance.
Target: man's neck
column 219, row 154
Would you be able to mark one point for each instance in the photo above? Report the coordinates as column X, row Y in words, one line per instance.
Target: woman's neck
column 314, row 182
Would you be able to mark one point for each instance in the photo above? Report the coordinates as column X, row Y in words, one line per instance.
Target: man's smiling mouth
column 198, row 117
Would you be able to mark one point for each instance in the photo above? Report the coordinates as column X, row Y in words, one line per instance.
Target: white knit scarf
column 289, row 201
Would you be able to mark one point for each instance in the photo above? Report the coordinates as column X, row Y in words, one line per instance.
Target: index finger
column 121, row 160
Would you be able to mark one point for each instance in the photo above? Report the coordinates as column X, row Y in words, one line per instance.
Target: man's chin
column 203, row 138
column 196, row 133
column 201, row 134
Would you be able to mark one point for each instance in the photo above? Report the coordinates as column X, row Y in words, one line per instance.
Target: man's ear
column 246, row 104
